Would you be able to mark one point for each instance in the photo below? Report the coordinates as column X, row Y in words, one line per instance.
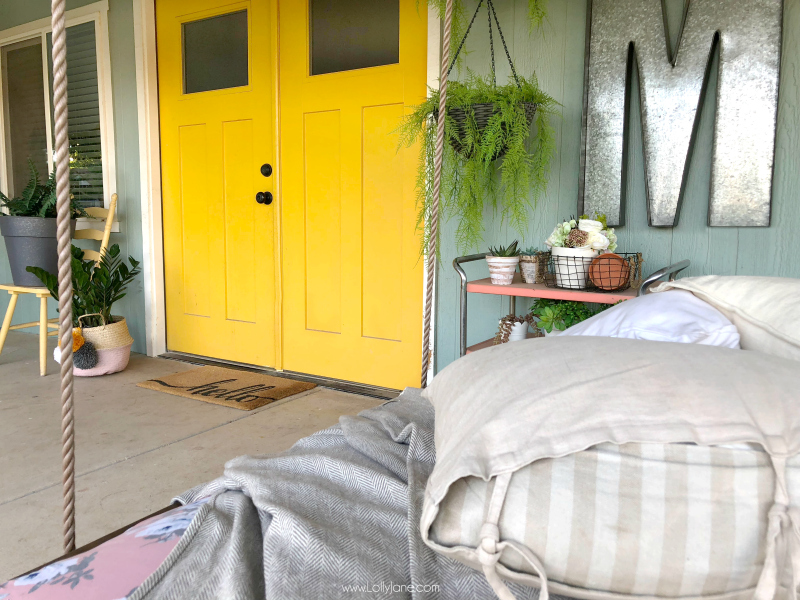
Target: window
column 347, row 34
column 215, row 53
column 27, row 111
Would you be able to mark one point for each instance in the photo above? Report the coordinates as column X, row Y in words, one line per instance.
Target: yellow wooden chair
column 102, row 214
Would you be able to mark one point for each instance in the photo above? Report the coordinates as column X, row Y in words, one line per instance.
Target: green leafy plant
column 560, row 314
column 506, row 251
column 532, row 251
column 38, row 199
column 96, row 286
column 475, row 178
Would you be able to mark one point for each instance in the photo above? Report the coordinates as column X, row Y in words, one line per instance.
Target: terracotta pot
column 528, row 266
column 610, row 272
column 502, row 268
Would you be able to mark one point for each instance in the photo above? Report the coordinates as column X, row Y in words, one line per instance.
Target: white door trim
column 144, row 31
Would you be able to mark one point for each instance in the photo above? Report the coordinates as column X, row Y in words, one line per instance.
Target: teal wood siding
column 123, row 79
column 556, row 53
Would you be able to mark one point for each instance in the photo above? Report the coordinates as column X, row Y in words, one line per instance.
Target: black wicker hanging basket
column 482, row 112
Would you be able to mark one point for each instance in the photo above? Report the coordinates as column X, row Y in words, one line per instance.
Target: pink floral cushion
column 113, row 570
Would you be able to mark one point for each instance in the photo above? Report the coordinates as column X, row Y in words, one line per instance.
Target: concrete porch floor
column 135, row 449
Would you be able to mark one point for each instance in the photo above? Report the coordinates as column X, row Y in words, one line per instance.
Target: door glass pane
column 215, row 53
column 83, row 104
column 352, row 34
column 26, row 127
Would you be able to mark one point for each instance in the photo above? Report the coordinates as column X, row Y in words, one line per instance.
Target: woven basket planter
column 483, row 113
column 113, row 344
column 528, row 266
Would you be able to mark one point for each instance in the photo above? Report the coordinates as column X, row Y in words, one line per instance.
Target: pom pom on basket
column 112, row 345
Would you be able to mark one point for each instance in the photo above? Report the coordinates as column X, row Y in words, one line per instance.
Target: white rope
column 427, row 351
column 64, row 270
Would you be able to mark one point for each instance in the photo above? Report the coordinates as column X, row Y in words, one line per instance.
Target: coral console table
column 519, row 289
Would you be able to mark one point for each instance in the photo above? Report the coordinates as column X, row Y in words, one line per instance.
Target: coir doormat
column 244, row 390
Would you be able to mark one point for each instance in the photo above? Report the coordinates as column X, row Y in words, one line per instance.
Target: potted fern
column 492, row 156
column 29, row 228
column 101, row 340
column 503, row 262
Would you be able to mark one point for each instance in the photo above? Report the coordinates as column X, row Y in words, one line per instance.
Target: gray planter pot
column 30, row 241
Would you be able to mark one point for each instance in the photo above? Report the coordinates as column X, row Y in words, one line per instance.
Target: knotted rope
column 427, row 351
column 64, row 269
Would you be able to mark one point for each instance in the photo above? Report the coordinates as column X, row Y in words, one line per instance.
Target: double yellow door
column 289, row 218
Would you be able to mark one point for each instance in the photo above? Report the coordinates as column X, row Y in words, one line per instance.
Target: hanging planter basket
column 482, row 113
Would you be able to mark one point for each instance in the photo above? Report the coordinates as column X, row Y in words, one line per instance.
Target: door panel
column 218, row 242
column 352, row 278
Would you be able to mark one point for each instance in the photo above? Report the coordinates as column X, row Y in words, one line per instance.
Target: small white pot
column 553, row 333
column 519, row 332
column 572, row 266
column 502, row 269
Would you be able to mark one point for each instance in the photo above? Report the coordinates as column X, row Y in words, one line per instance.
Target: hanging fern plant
column 490, row 156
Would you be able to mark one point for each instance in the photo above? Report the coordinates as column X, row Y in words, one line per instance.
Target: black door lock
column 266, row 170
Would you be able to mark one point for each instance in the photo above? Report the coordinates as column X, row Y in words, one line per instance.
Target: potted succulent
column 574, row 244
column 101, row 341
column 513, row 329
column 29, row 228
column 554, row 316
column 528, row 264
column 503, row 262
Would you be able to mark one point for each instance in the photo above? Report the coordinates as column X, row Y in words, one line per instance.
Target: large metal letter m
column 633, row 33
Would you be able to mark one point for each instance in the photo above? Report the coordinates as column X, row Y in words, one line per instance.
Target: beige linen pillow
column 559, row 459
column 765, row 310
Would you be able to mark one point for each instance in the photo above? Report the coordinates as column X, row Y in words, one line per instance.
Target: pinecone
column 577, row 239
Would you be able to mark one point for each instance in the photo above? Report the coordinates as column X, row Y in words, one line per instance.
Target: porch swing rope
column 64, row 270
column 437, row 187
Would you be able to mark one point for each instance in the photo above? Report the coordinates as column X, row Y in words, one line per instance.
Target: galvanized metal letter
column 628, row 33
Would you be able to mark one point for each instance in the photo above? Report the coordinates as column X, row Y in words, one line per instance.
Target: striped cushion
column 631, row 519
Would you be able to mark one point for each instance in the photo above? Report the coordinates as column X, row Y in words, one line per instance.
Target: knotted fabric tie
column 783, row 525
column 491, row 548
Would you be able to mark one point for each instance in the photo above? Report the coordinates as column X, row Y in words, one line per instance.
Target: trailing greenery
column 38, row 199
column 537, row 13
column 96, row 286
column 509, row 251
column 475, row 177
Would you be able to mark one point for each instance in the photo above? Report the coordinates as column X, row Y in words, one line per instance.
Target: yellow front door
column 216, row 69
column 352, row 277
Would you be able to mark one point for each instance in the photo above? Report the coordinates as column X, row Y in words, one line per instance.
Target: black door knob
column 264, row 197
column 266, row 170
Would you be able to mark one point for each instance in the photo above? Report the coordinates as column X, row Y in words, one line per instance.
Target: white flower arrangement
column 594, row 233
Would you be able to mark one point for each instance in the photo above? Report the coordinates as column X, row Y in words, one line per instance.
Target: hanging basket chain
column 492, row 13
column 64, row 270
column 503, row 39
column 463, row 39
column 491, row 42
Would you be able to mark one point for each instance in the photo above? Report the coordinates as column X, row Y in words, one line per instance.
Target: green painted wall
column 557, row 55
column 123, row 77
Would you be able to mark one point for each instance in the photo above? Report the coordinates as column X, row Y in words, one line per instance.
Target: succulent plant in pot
column 29, row 228
column 513, row 328
column 96, row 287
column 503, row 261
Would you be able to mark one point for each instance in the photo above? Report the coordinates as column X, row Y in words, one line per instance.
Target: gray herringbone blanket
column 337, row 516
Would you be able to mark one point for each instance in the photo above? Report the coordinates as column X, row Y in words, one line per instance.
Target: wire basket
column 610, row 272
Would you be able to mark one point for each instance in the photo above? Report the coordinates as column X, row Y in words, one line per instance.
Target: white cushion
column 503, row 413
column 677, row 316
column 765, row 310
